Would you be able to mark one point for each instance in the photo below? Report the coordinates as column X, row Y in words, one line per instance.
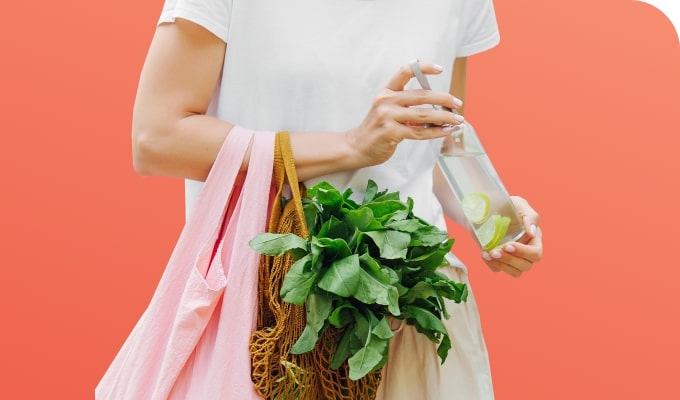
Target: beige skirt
column 414, row 371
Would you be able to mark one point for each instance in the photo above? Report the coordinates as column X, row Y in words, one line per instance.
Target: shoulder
column 479, row 27
column 213, row 15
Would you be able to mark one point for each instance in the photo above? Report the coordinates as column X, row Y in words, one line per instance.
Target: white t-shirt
column 316, row 65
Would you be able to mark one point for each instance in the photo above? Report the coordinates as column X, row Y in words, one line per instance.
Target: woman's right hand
column 392, row 117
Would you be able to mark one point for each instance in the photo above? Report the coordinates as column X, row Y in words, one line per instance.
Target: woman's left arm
column 513, row 258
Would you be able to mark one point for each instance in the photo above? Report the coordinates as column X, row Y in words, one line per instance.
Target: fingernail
column 458, row 117
column 509, row 248
column 486, row 256
column 438, row 68
column 450, row 128
column 533, row 229
column 496, row 254
column 457, row 101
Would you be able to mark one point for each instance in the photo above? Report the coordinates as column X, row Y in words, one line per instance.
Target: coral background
column 577, row 108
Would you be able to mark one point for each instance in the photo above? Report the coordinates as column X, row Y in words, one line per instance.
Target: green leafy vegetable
column 298, row 282
column 363, row 264
column 392, row 244
column 364, row 361
column 318, row 309
column 342, row 277
column 275, row 244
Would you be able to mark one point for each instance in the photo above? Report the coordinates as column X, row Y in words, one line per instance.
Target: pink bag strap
column 230, row 373
column 257, row 189
column 210, row 204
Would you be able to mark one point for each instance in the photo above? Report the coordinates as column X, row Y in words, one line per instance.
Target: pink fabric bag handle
column 221, row 366
column 189, row 309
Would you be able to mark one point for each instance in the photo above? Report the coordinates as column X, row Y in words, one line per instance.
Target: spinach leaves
column 363, row 264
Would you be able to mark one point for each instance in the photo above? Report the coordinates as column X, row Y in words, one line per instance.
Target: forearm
column 187, row 147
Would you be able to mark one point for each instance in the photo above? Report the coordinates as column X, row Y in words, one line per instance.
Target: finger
column 529, row 216
column 419, row 97
column 511, row 258
column 399, row 81
column 421, row 116
column 425, row 131
column 531, row 250
column 515, row 273
column 518, row 255
column 525, row 210
column 498, row 266
column 489, row 262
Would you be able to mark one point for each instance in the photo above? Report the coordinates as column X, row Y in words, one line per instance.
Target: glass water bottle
column 490, row 213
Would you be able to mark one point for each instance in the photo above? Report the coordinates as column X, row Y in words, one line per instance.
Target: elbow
column 147, row 152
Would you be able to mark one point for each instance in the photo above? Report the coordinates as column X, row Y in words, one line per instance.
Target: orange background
column 577, row 108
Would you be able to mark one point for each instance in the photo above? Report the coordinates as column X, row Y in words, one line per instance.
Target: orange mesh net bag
column 276, row 372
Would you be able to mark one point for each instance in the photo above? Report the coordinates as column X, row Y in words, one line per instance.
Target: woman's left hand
column 515, row 258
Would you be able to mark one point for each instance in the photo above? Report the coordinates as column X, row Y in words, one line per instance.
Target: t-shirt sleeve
column 213, row 15
column 479, row 29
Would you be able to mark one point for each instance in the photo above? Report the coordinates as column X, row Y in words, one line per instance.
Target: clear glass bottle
column 491, row 216
column 490, row 213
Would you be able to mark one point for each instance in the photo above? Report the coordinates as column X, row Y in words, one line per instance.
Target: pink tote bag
column 192, row 340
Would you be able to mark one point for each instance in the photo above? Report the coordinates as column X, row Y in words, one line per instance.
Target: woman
column 335, row 73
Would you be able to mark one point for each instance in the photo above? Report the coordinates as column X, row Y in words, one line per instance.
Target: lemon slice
column 476, row 207
column 492, row 231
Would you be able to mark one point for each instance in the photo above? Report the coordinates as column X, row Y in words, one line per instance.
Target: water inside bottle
column 472, row 173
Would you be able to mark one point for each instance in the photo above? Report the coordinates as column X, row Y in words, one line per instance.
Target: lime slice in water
column 491, row 232
column 476, row 207
column 501, row 230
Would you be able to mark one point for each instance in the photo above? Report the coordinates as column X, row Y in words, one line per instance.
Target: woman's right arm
column 172, row 136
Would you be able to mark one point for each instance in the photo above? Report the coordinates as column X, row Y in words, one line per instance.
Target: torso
column 312, row 65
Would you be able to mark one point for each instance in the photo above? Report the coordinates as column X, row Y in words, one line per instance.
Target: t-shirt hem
column 215, row 27
column 480, row 46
